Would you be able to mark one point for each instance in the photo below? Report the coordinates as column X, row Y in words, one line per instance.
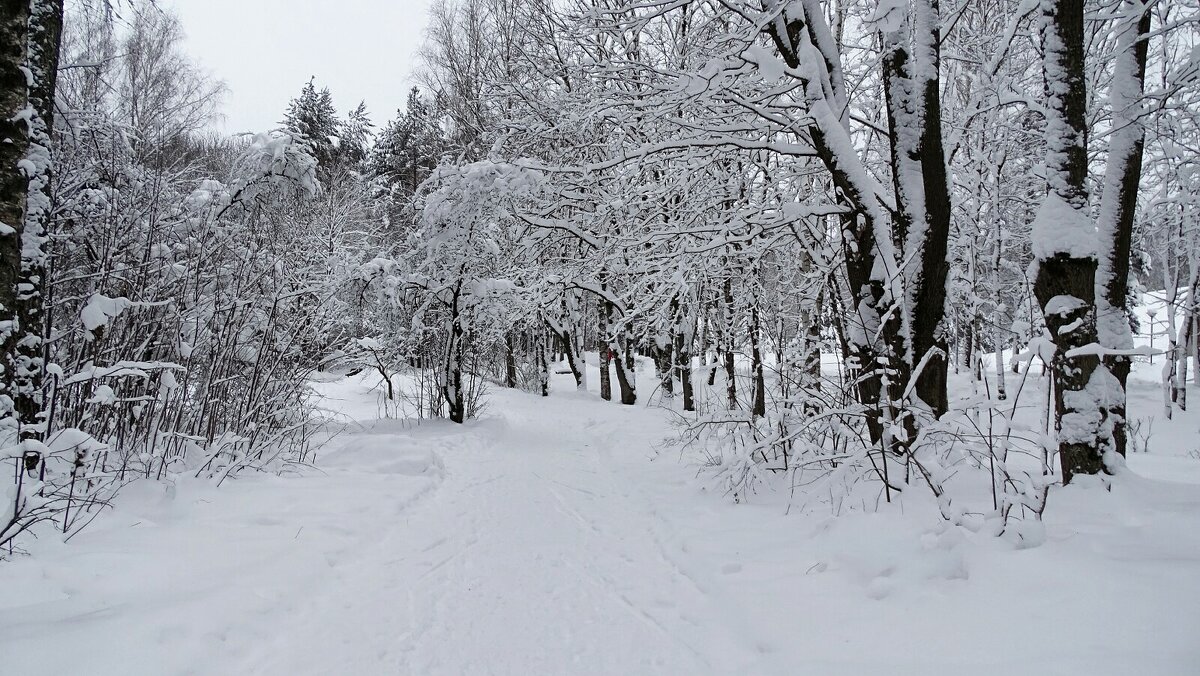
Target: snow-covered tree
column 312, row 117
column 30, row 33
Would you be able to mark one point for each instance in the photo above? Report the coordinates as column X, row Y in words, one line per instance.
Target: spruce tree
column 312, row 117
column 355, row 137
column 409, row 147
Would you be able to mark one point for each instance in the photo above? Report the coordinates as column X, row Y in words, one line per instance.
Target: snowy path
column 551, row 538
column 532, row 556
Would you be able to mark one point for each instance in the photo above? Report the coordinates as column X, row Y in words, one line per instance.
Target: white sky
column 265, row 50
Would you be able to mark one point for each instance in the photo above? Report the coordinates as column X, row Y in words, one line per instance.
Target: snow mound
column 415, row 463
column 888, row 555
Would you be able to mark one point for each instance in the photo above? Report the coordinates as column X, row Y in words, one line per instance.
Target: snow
column 559, row 536
column 768, row 63
column 1060, row 228
column 101, row 309
column 139, row 369
column 369, row 344
column 679, row 183
column 889, row 16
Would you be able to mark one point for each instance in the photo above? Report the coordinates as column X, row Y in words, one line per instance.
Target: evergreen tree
column 408, row 148
column 355, row 137
column 311, row 116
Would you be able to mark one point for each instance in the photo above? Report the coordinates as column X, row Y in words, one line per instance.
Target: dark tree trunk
column 684, row 329
column 30, row 32
column 859, row 245
column 605, row 353
column 929, row 311
column 575, row 360
column 706, row 340
column 810, row 347
column 543, row 365
column 510, row 360
column 878, row 342
column 727, row 338
column 14, row 185
column 812, row 363
column 683, row 360
column 630, row 346
column 759, row 407
column 628, row 393
column 624, row 374
column 922, row 196
column 1065, row 283
column 1180, row 357
column 1119, row 204
column 664, row 365
column 967, row 341
column 452, row 381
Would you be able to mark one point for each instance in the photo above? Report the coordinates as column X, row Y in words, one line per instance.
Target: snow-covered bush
column 453, row 279
column 193, row 287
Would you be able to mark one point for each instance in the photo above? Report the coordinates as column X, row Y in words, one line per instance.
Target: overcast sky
column 265, row 50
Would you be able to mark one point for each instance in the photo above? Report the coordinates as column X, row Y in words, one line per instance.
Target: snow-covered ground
column 558, row 536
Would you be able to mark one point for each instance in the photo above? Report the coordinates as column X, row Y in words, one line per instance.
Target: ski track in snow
column 537, row 560
column 553, row 537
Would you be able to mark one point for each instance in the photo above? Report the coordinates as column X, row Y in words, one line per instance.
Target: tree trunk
column 922, row 216
column 575, row 361
column 452, row 382
column 684, row 329
column 706, row 340
column 1065, row 285
column 578, row 360
column 1001, row 383
column 605, row 353
column 728, row 334
column 664, row 365
column 1119, row 203
column 1179, row 393
column 624, row 377
column 812, row 361
column 759, row 406
column 968, row 345
column 510, row 360
column 543, row 365
column 997, row 300
column 30, row 32
column 629, row 345
column 868, row 264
